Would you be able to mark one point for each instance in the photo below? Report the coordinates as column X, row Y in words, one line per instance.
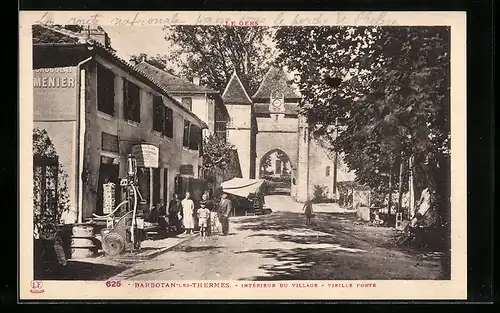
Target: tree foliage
column 392, row 102
column 48, row 204
column 216, row 153
column 213, row 53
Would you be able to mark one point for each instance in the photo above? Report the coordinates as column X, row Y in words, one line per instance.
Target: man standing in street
column 175, row 212
column 225, row 208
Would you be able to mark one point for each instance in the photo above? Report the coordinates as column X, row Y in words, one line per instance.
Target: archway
column 276, row 168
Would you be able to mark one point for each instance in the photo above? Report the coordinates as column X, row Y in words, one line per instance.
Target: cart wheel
column 113, row 244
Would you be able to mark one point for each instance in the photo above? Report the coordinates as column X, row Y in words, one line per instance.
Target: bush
column 320, row 194
column 49, row 200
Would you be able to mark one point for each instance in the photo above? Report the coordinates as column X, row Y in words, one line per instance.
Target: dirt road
column 280, row 247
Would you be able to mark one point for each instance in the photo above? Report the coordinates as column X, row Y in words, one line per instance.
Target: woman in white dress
column 188, row 210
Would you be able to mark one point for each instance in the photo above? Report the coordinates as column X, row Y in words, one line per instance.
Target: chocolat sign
column 55, row 93
column 146, row 155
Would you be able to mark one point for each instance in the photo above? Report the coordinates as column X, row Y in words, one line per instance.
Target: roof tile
column 170, row 82
column 235, row 93
column 275, row 79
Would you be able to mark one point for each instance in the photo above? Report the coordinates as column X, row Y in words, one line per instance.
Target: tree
column 50, row 191
column 264, row 165
column 392, row 101
column 284, row 160
column 216, row 154
column 213, row 53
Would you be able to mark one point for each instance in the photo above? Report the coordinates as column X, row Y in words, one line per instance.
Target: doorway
column 144, row 181
column 166, row 195
column 110, row 169
column 276, row 169
column 156, row 186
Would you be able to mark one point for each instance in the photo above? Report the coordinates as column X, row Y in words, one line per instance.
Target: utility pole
column 400, row 189
column 410, row 188
column 335, row 162
column 389, row 202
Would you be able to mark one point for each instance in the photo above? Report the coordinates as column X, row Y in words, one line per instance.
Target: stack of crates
column 108, row 198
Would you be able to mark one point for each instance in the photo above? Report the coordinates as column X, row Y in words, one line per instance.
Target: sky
column 135, row 40
column 128, row 41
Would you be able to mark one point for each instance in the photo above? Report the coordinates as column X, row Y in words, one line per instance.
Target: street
column 279, row 246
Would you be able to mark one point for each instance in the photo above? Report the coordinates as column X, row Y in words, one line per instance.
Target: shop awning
column 242, row 187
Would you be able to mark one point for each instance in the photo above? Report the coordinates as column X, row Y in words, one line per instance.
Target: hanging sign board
column 186, row 169
column 146, row 155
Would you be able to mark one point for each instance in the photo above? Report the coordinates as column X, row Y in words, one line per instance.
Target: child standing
column 203, row 215
column 308, row 211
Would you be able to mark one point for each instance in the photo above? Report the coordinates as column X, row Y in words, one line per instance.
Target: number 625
column 113, row 283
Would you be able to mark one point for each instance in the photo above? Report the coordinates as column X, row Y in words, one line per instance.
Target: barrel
column 83, row 241
column 83, row 231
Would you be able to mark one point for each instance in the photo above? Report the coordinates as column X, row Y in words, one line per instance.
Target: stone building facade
column 95, row 107
column 270, row 122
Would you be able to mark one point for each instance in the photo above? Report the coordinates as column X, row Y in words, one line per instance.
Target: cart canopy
column 242, row 187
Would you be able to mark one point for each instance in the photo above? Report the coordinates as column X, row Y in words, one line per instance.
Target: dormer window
column 187, row 102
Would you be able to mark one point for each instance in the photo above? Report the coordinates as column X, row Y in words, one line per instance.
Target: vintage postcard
column 242, row 155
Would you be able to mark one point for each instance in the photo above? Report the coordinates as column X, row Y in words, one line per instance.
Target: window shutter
column 185, row 140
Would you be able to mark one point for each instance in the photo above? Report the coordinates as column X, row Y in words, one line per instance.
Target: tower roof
column 275, row 80
column 235, row 93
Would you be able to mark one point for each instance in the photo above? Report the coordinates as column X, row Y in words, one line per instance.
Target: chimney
column 196, row 80
column 132, row 61
column 98, row 35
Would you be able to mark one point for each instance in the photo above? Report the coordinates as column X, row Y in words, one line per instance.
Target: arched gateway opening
column 276, row 168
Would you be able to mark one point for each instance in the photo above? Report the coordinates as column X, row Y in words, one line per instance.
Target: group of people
column 182, row 214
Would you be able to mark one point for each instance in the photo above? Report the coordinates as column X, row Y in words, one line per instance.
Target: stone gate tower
column 241, row 128
column 270, row 122
column 276, row 105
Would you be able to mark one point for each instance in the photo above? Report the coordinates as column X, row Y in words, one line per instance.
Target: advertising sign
column 146, row 155
column 55, row 93
column 186, row 169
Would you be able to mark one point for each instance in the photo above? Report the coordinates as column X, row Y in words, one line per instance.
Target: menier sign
column 147, row 155
column 55, row 93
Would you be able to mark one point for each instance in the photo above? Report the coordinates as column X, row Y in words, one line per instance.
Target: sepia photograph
column 256, row 154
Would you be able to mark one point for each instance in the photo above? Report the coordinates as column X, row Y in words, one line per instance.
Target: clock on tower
column 277, row 102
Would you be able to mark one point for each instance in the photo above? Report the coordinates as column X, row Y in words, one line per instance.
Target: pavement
column 101, row 267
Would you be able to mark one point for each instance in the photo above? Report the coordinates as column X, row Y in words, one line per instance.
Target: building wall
column 313, row 159
column 172, row 153
column 276, row 132
column 241, row 140
column 270, row 141
column 319, row 160
column 55, row 111
column 240, row 134
column 200, row 107
column 300, row 188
